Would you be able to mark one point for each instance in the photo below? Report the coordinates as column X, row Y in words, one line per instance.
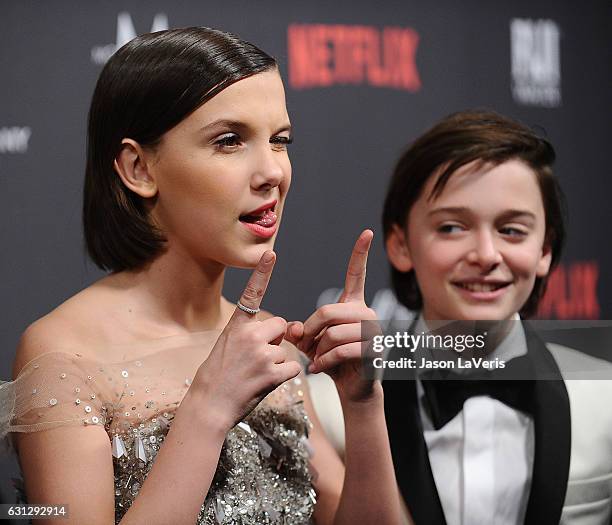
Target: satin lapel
column 552, row 426
column 409, row 450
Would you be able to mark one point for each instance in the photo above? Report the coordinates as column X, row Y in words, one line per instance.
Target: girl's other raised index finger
column 354, row 284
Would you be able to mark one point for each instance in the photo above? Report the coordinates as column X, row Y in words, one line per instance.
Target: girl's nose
column 268, row 172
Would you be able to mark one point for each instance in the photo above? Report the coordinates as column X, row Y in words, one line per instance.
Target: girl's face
column 478, row 247
column 223, row 173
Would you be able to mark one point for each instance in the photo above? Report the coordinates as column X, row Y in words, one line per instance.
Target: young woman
column 150, row 398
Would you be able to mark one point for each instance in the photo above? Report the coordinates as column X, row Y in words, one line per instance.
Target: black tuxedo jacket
column 552, row 444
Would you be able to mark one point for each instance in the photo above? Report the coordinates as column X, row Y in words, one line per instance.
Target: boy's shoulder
column 588, row 381
column 575, row 364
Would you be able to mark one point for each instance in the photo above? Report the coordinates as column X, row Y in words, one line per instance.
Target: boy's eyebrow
column 506, row 215
column 513, row 214
column 449, row 209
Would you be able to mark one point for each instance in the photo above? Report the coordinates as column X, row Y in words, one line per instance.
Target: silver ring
column 251, row 311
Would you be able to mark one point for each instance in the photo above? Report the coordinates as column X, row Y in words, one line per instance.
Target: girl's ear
column 543, row 265
column 131, row 165
column 397, row 250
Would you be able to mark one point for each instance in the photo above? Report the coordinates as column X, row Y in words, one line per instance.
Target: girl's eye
column 280, row 142
column 229, row 140
column 450, row 228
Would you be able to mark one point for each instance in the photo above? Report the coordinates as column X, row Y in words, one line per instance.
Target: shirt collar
column 511, row 346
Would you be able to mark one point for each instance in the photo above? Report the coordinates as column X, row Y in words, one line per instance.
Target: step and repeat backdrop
column 363, row 79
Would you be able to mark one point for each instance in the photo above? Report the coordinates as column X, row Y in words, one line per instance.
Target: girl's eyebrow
column 237, row 124
column 224, row 123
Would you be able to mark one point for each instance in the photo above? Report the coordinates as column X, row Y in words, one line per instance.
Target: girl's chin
column 251, row 256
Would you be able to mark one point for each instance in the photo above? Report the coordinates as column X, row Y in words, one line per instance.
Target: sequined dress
column 263, row 475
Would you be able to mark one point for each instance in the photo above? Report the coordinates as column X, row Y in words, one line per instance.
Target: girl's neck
column 176, row 294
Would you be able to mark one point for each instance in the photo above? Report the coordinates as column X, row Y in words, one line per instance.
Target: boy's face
column 477, row 248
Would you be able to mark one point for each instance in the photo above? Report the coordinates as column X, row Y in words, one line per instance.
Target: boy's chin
column 488, row 313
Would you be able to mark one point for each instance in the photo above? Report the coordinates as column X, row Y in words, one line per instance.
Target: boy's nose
column 484, row 252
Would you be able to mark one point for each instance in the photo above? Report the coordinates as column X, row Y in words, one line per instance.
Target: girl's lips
column 482, row 295
column 264, row 227
column 261, row 231
column 265, row 208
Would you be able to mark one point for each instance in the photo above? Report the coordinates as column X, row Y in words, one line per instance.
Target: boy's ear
column 131, row 165
column 397, row 250
column 543, row 266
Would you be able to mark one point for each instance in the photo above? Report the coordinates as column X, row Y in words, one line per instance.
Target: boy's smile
column 477, row 248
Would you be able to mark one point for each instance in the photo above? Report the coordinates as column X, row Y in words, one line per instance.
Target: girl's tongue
column 268, row 218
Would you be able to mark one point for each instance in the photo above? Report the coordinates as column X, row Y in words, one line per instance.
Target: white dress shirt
column 482, row 459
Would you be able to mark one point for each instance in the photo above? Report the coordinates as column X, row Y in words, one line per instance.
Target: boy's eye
column 513, row 232
column 228, row 140
column 450, row 228
column 280, row 142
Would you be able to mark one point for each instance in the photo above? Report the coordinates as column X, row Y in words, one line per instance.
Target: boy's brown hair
column 457, row 140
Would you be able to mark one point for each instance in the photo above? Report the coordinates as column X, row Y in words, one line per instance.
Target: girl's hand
column 332, row 336
column 247, row 361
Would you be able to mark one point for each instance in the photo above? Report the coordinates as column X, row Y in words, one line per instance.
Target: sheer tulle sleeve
column 53, row 390
column 263, row 474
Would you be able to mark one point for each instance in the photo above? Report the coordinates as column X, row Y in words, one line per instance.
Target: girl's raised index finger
column 354, row 284
column 255, row 288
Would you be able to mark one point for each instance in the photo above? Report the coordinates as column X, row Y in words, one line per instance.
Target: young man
column 473, row 226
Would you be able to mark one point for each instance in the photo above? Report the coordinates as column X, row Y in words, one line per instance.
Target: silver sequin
column 262, row 477
column 118, row 447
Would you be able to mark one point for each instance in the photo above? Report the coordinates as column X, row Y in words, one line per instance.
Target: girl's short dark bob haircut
column 457, row 140
column 146, row 88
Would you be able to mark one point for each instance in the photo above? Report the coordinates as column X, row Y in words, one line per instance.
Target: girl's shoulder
column 82, row 322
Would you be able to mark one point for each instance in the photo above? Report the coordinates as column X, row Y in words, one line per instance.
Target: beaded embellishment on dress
column 263, row 475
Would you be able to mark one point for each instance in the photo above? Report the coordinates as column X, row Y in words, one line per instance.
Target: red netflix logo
column 324, row 55
column 572, row 292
